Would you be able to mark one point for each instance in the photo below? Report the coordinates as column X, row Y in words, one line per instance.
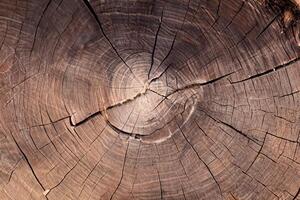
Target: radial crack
column 160, row 186
column 155, row 42
column 268, row 71
column 145, row 90
column 27, row 161
column 282, row 138
column 36, row 30
column 168, row 54
column 122, row 173
column 259, row 152
column 173, row 42
column 88, row 5
column 297, row 194
column 231, row 127
column 235, row 15
column 268, row 25
column 207, row 167
column 193, row 85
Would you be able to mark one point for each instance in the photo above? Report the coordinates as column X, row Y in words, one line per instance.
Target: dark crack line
column 217, row 14
column 268, row 25
column 97, row 164
column 119, row 131
column 116, row 129
column 245, row 36
column 39, row 22
column 134, row 126
column 160, row 185
column 258, row 153
column 255, row 179
column 285, row 95
column 135, row 135
column 122, row 173
column 207, row 167
column 235, row 15
column 25, row 80
column 71, row 168
column 282, row 138
column 183, row 193
column 160, row 75
column 201, row 129
column 219, row 6
column 13, row 170
column 51, row 122
column 285, row 119
column 268, row 71
column 96, row 184
column 193, row 85
column 239, row 131
column 161, row 95
column 59, row 4
column 88, row 5
column 64, row 177
column 213, row 140
column 27, row 161
column 155, row 42
column 233, row 196
column 129, row 116
column 297, row 194
column 165, row 58
column 75, row 132
column 231, row 127
column 173, row 42
column 100, row 112
column 50, row 140
column 58, row 136
column 129, row 99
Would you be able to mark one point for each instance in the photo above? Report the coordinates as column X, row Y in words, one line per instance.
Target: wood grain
column 149, row 99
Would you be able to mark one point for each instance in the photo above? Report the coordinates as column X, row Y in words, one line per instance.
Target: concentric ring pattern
column 148, row 99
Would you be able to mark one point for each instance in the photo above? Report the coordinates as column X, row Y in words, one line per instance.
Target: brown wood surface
column 149, row 99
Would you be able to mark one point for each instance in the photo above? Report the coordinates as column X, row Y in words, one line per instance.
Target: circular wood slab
column 149, row 99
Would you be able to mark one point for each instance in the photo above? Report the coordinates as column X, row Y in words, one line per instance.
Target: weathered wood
column 149, row 99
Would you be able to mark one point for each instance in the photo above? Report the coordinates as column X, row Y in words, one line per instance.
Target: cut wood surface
column 149, row 99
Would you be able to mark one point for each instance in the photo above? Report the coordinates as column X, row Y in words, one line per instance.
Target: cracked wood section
column 149, row 99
